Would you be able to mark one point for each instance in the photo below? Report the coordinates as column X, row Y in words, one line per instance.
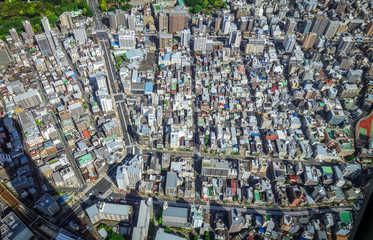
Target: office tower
column 49, row 37
column 345, row 43
column 126, row 39
column 43, row 44
column 226, row 24
column 200, row 44
column 340, row 7
column 178, row 20
column 162, row 22
column 217, row 24
column 289, row 42
column 331, row 29
column 307, row 26
column 14, row 34
column 47, row 205
column 80, row 35
column 121, row 18
column 250, row 24
column 200, row 22
column 243, row 21
column 12, row 228
column 112, row 20
column 290, row 25
column 320, row 42
column 28, row 28
column 131, row 22
column 46, row 25
column 55, row 39
column 185, row 37
column 369, row 29
column 235, row 39
column 309, row 40
column 165, row 40
column 66, row 21
column 319, row 24
column 310, row 5
column 236, row 220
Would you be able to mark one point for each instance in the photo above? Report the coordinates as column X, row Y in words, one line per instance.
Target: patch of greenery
column 13, row 13
column 196, row 6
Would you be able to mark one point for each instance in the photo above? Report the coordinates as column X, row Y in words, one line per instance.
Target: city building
column 14, row 34
column 28, row 28
column 140, row 232
column 309, row 40
column 345, row 43
column 80, row 35
column 289, row 42
column 109, row 211
column 185, row 37
column 126, row 39
column 43, row 43
column 165, row 40
column 175, row 216
column 178, row 20
column 66, row 21
column 12, row 228
column 46, row 24
column 162, row 22
column 236, row 220
column 47, row 205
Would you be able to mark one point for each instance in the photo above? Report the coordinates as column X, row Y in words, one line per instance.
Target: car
column 122, row 201
column 90, row 194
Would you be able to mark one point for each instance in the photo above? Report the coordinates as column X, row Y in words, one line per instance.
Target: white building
column 185, row 37
column 140, row 232
column 126, row 39
column 80, row 35
column 289, row 42
column 46, row 25
column 129, row 175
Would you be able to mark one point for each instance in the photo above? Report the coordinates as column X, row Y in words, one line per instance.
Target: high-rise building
column 243, row 21
column 117, row 18
column 49, row 37
column 345, row 43
column 178, row 20
column 131, row 22
column 226, row 24
column 319, row 24
column 185, row 37
column 55, row 39
column 12, row 228
column 309, row 40
column 126, row 39
column 28, row 28
column 235, row 39
column 320, row 42
column 236, row 220
column 94, row 37
column 66, row 21
column 200, row 44
column 112, row 20
column 121, row 18
column 43, row 44
column 165, row 40
column 291, row 24
column 162, row 22
column 46, row 25
column 80, row 35
column 310, row 5
column 331, row 29
column 369, row 29
column 14, row 34
column 340, row 7
column 47, row 205
column 217, row 24
column 307, row 26
column 289, row 42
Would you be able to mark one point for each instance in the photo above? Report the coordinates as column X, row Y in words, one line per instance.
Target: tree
column 167, row 229
column 350, row 158
column 31, row 11
column 197, row 9
column 84, row 11
column 37, row 27
column 126, row 7
column 111, row 9
column 160, row 221
column 218, row 4
column 207, row 235
column 103, row 7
